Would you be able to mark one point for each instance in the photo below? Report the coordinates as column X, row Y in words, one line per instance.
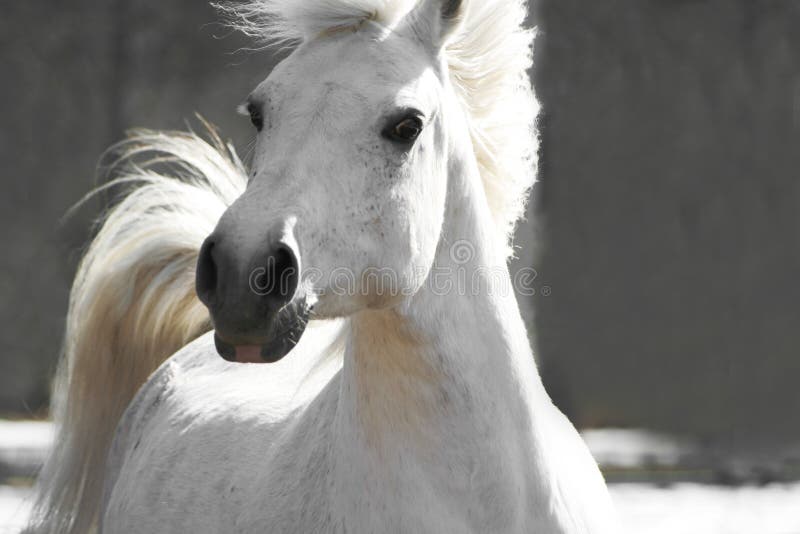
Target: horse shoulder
column 132, row 426
column 235, row 445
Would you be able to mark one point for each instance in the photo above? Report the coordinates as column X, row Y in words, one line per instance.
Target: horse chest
column 181, row 474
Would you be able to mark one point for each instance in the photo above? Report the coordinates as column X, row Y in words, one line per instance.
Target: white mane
column 488, row 60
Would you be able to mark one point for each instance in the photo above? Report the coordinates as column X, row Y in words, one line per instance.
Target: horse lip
column 272, row 349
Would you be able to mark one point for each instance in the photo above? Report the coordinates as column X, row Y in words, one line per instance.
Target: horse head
column 344, row 206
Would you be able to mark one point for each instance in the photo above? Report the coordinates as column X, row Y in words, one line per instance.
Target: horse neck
column 438, row 394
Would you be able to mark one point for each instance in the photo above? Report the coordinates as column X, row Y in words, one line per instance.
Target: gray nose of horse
column 244, row 284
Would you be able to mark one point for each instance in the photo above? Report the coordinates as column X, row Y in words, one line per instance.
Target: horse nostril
column 206, row 276
column 282, row 272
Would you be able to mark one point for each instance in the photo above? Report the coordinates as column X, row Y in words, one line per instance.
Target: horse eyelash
column 250, row 108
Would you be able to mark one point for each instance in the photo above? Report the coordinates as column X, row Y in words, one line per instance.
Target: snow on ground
column 625, row 448
column 701, row 509
column 14, row 508
column 23, row 445
column 25, row 435
column 681, row 508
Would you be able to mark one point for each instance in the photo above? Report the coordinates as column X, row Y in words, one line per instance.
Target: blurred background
column 665, row 226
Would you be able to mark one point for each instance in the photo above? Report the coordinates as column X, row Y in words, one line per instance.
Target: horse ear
column 434, row 21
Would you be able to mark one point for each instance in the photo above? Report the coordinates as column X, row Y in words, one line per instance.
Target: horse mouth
column 262, row 349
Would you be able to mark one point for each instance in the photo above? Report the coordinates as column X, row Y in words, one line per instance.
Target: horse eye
column 255, row 117
column 405, row 131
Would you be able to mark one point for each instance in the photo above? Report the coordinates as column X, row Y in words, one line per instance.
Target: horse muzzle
column 250, row 284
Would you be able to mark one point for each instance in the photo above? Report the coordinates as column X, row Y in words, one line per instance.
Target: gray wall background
column 670, row 211
column 665, row 222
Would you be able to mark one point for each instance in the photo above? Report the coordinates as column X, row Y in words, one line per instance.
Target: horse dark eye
column 255, row 117
column 405, row 131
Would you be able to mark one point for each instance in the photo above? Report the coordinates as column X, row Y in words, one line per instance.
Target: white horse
column 394, row 152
